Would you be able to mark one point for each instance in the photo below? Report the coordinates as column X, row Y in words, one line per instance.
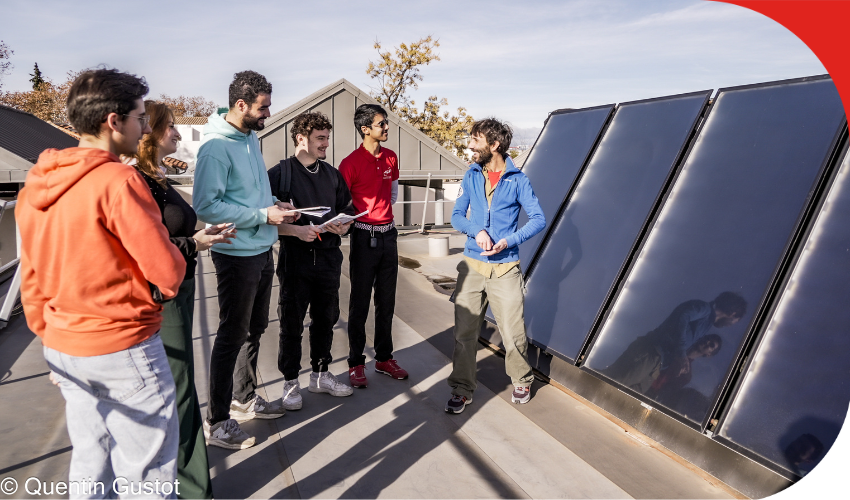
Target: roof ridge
column 6, row 106
column 343, row 84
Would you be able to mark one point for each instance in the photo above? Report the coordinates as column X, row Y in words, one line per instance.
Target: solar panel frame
column 760, row 310
column 663, row 187
column 742, row 370
column 543, row 236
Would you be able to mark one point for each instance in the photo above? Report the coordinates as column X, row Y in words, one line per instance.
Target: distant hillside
column 525, row 136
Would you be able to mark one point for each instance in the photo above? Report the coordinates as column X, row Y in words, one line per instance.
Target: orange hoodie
column 91, row 239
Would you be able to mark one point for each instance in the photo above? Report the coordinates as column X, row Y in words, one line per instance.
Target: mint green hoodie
column 232, row 185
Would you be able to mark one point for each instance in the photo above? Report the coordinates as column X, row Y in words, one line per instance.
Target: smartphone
column 229, row 229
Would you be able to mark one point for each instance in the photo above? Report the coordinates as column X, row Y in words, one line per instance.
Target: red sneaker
column 391, row 368
column 357, row 376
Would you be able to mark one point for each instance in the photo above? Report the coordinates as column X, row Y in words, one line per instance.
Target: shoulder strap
column 285, row 179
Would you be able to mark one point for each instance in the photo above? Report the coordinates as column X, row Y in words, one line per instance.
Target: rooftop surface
column 392, row 439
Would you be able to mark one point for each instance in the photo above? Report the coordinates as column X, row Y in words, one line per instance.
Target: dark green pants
column 193, row 469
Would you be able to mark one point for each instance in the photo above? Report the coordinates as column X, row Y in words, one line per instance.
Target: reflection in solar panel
column 794, row 396
column 680, row 318
column 590, row 242
column 556, row 160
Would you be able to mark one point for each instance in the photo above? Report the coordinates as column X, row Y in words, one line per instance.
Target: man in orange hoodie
column 94, row 253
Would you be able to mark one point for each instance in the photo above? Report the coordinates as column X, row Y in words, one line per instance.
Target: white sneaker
column 256, row 408
column 291, row 395
column 326, row 382
column 227, row 434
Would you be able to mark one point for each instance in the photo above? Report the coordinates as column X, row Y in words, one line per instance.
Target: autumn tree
column 46, row 100
column 5, row 64
column 399, row 72
column 447, row 130
column 189, row 106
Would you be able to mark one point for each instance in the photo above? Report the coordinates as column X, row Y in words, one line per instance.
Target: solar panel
column 794, row 396
column 593, row 237
column 555, row 161
column 688, row 302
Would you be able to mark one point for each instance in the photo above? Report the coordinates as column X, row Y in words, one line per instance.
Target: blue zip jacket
column 500, row 219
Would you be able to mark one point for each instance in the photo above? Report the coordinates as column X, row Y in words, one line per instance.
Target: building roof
column 190, row 120
column 174, row 165
column 519, row 161
column 67, row 129
column 23, row 137
column 430, row 156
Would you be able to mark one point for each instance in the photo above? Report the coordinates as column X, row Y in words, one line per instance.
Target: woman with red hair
column 180, row 220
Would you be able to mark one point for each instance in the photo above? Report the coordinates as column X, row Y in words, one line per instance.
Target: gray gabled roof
column 23, row 137
column 519, row 161
column 432, row 157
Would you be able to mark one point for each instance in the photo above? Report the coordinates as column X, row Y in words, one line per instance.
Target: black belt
column 382, row 228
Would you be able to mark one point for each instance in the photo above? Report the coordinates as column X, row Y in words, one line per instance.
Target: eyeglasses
column 143, row 120
column 381, row 124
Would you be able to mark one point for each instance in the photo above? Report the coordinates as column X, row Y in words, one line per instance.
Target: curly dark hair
column 307, row 122
column 96, row 93
column 246, row 86
column 493, row 130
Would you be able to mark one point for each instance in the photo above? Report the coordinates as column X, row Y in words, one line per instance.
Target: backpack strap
column 284, row 193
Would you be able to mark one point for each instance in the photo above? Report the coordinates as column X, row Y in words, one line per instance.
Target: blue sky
column 514, row 60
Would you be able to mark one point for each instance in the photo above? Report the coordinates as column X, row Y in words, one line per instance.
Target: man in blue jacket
column 493, row 190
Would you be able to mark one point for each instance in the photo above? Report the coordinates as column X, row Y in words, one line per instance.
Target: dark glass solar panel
column 672, row 333
column 556, row 160
column 593, row 237
column 794, row 396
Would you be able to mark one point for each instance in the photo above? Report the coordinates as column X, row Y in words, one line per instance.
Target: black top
column 179, row 219
column 325, row 188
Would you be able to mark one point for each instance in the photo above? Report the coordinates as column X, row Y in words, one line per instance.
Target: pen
column 317, row 234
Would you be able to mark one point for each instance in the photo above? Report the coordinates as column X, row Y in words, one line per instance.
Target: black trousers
column 308, row 277
column 372, row 267
column 244, row 296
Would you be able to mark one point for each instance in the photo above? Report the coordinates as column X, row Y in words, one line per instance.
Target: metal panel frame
column 569, row 193
column 656, row 204
column 736, row 384
column 773, row 282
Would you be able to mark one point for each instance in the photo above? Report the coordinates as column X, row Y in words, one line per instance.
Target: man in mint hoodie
column 494, row 191
column 231, row 185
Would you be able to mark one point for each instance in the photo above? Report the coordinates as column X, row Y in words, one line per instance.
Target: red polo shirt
column 370, row 180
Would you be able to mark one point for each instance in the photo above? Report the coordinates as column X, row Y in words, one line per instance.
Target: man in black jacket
column 310, row 260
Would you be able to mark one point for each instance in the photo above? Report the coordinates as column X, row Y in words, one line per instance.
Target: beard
column 484, row 156
column 253, row 122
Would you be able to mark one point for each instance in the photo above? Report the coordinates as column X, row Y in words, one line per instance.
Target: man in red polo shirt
column 371, row 173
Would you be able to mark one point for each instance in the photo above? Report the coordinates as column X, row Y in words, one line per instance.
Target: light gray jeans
column 504, row 295
column 121, row 419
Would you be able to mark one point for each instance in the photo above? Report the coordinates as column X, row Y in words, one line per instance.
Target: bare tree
column 189, row 106
column 6, row 53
